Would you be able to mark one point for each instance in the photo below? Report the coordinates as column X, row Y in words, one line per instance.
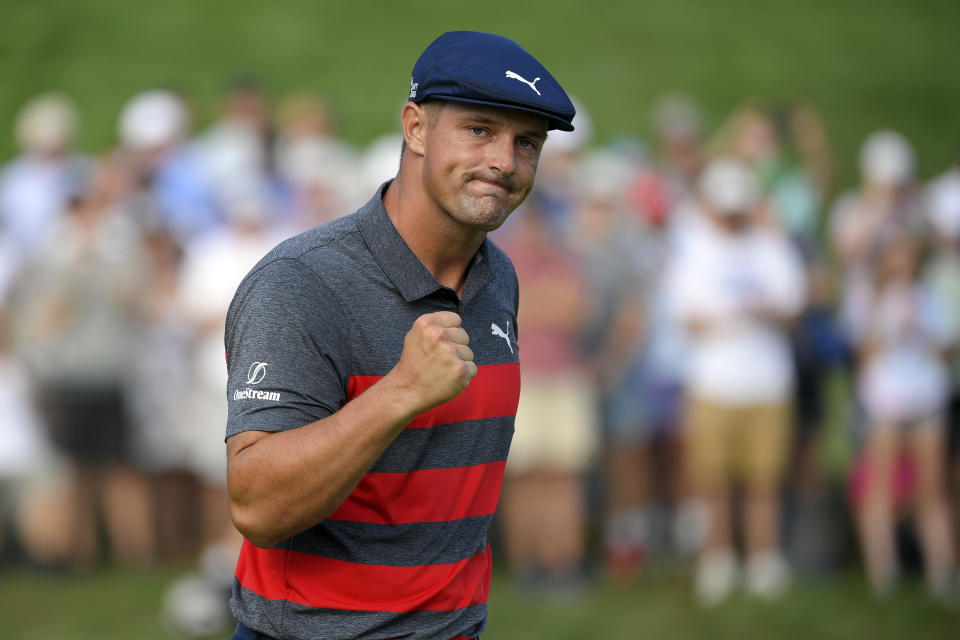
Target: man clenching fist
column 436, row 363
column 356, row 525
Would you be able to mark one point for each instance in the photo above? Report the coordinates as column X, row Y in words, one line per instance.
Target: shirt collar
column 400, row 263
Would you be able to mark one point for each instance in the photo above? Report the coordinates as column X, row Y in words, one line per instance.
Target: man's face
column 480, row 162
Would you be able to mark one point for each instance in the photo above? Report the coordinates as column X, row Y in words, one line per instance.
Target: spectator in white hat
column 153, row 129
column 885, row 196
column 737, row 285
column 885, row 200
column 37, row 185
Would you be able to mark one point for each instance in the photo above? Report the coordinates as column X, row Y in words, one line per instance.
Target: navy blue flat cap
column 484, row 68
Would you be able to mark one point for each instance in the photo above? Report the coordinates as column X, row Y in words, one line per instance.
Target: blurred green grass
column 866, row 65
column 123, row 604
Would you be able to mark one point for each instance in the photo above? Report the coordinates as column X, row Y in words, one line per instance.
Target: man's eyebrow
column 537, row 134
column 479, row 118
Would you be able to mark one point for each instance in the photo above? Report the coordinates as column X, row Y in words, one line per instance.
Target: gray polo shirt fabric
column 315, row 323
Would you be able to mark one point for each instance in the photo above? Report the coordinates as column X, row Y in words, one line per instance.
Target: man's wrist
column 399, row 397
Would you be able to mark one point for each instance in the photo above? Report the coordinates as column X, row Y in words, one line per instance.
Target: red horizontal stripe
column 428, row 495
column 494, row 392
column 315, row 581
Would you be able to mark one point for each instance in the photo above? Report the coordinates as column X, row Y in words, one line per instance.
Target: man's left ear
column 413, row 118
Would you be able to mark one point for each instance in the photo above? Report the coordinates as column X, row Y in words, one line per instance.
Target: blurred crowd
column 696, row 308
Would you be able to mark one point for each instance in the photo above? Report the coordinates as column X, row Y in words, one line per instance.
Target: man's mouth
column 497, row 181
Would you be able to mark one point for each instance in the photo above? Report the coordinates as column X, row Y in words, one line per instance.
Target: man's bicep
column 284, row 352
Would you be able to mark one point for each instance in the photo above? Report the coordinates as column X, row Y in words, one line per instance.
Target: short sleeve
column 285, row 348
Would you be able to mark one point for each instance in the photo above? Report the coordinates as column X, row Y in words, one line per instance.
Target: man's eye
column 478, row 131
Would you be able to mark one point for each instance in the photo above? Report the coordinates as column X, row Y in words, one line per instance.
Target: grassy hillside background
column 885, row 63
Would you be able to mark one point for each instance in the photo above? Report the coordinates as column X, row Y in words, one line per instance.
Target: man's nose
column 501, row 155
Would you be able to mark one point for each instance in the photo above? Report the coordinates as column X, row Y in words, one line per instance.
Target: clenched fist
column 436, row 364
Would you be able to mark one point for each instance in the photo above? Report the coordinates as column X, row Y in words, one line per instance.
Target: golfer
column 374, row 376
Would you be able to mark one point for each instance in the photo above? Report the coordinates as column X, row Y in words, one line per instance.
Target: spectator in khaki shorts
column 738, row 283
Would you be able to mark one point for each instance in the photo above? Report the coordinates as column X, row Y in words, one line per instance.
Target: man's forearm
column 282, row 483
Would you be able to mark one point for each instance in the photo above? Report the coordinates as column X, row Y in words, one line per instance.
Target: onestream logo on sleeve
column 255, row 375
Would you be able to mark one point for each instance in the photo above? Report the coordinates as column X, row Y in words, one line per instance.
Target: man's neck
column 445, row 247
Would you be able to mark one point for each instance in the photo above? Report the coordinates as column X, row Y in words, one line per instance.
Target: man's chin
column 486, row 215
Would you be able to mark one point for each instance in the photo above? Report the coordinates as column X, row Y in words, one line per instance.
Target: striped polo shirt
column 315, row 323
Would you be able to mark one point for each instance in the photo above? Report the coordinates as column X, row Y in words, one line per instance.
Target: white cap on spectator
column 886, row 157
column 943, row 205
column 381, row 160
column 729, row 187
column 152, row 119
column 560, row 141
column 46, row 123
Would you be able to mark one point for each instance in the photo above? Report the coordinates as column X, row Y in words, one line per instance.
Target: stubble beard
column 489, row 211
column 484, row 212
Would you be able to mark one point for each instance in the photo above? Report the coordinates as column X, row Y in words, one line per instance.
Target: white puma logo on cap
column 517, row 76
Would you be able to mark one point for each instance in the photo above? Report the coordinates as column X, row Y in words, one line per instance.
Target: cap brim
column 553, row 122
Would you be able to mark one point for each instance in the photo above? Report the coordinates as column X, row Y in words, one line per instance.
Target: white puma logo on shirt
column 517, row 76
column 497, row 331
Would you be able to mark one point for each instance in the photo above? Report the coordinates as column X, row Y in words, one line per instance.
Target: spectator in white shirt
column 737, row 285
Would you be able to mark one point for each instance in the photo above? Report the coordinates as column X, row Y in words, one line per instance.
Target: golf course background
column 864, row 65
column 882, row 64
